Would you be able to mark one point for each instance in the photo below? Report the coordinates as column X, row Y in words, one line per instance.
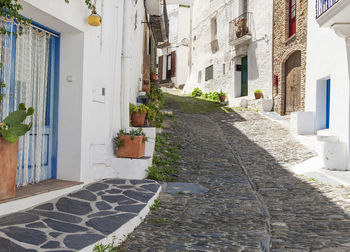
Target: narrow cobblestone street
column 254, row 202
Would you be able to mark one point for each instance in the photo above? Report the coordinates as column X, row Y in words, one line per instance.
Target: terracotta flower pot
column 132, row 148
column 222, row 98
column 138, row 119
column 258, row 95
column 154, row 76
column 8, row 168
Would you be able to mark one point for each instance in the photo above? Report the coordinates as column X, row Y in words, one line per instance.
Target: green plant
column 154, row 116
column 257, row 91
column 164, row 166
column 155, row 205
column 105, row 248
column 12, row 126
column 11, row 9
column 134, row 132
column 156, row 95
column 197, row 92
column 142, row 108
column 222, row 93
column 2, row 94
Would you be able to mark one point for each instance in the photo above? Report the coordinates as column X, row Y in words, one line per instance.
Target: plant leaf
column 16, row 117
column 20, row 129
column 9, row 136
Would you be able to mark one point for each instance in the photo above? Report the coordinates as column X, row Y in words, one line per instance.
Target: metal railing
column 241, row 26
column 323, row 5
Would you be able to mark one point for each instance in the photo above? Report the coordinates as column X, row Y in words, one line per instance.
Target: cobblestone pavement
column 254, row 202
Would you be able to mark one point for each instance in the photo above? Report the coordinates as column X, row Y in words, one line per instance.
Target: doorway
column 293, row 83
column 168, row 67
column 323, row 104
column 33, row 79
column 244, row 77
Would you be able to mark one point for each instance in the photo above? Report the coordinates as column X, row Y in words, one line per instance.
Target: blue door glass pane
column 328, row 103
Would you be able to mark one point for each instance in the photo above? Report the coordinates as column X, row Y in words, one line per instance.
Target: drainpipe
column 124, row 92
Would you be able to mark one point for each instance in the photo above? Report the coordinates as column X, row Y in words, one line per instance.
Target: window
column 209, row 73
column 292, row 17
column 223, row 69
column 199, row 76
column 214, row 29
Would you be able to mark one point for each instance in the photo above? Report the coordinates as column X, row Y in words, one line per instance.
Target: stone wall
column 284, row 46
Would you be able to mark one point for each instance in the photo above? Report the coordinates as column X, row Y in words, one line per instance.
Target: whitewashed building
column 328, row 78
column 80, row 79
column 231, row 47
column 173, row 61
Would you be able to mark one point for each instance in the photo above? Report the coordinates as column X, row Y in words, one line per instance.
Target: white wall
column 259, row 51
column 93, row 57
column 327, row 58
column 179, row 29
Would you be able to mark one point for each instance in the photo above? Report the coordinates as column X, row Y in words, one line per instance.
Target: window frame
column 209, row 73
column 292, row 20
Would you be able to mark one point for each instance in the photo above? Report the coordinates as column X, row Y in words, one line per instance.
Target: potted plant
column 241, row 27
column 154, row 75
column 10, row 129
column 138, row 114
column 222, row 96
column 258, row 93
column 130, row 145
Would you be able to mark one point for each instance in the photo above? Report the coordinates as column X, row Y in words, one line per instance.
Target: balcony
column 240, row 30
column 330, row 12
column 160, row 26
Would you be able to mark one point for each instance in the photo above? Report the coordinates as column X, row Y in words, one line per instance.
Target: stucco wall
column 259, row 51
column 179, row 29
column 327, row 59
column 93, row 56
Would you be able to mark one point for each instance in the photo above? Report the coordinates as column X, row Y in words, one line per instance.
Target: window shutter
column 173, row 64
column 160, row 68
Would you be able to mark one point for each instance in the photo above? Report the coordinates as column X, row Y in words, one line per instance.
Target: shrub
column 154, row 115
column 155, row 95
column 197, row 92
column 257, row 91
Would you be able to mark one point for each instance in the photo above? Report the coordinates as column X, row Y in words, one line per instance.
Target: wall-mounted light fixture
column 94, row 19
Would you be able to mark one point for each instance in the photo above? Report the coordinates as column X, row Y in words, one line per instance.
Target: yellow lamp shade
column 94, row 19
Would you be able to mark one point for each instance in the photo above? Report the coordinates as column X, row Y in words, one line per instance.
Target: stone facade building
column 289, row 55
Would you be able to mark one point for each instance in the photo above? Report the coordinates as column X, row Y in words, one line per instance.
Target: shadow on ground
column 254, row 202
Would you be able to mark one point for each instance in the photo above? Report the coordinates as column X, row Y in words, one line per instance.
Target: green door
column 244, row 78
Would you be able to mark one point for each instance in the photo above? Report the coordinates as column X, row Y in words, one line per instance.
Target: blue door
column 34, row 81
column 328, row 102
column 244, row 77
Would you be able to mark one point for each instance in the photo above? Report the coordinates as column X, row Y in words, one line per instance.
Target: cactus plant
column 12, row 126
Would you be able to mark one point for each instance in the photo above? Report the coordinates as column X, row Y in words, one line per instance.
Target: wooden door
column 293, row 80
column 160, row 68
column 244, row 77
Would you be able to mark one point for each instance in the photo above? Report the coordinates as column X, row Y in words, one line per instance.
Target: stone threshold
column 98, row 213
column 40, row 188
column 32, row 195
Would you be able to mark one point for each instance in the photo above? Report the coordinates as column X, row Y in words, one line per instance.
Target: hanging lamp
column 94, row 19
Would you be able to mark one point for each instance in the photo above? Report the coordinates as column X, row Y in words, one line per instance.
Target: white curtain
column 6, row 60
column 26, row 81
column 31, row 77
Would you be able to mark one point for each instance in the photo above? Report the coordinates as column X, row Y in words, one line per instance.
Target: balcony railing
column 241, row 26
column 323, row 5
